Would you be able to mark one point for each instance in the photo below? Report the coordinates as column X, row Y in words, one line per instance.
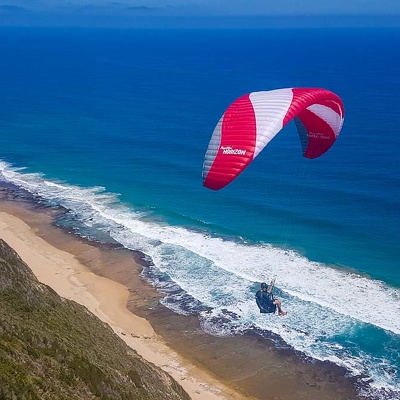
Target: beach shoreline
column 106, row 279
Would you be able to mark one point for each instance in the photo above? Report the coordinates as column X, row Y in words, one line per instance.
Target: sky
column 131, row 12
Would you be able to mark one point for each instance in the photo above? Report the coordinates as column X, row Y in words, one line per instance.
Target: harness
column 265, row 302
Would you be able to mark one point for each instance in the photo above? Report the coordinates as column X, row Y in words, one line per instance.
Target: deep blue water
column 114, row 125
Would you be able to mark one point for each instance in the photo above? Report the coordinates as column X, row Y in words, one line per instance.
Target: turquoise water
column 114, row 125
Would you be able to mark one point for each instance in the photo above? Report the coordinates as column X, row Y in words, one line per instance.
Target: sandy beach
column 107, row 300
column 106, row 280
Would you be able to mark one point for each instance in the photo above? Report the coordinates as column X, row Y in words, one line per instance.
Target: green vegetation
column 53, row 348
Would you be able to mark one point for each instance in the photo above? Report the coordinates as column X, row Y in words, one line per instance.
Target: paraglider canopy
column 254, row 119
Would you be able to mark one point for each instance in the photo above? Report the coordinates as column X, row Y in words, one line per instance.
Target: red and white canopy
column 252, row 120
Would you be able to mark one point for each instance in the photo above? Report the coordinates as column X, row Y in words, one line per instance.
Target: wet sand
column 106, row 280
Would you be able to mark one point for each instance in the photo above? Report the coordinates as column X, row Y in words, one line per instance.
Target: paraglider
column 254, row 119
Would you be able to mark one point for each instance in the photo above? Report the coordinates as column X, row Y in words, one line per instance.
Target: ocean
column 113, row 125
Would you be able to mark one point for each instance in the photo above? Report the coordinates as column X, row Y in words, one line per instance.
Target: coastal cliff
column 53, row 348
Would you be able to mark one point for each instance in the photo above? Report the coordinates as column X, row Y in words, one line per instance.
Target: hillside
column 53, row 348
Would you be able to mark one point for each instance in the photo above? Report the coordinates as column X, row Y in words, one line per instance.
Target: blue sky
column 113, row 12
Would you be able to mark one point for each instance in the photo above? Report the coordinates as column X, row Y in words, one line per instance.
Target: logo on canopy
column 230, row 150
